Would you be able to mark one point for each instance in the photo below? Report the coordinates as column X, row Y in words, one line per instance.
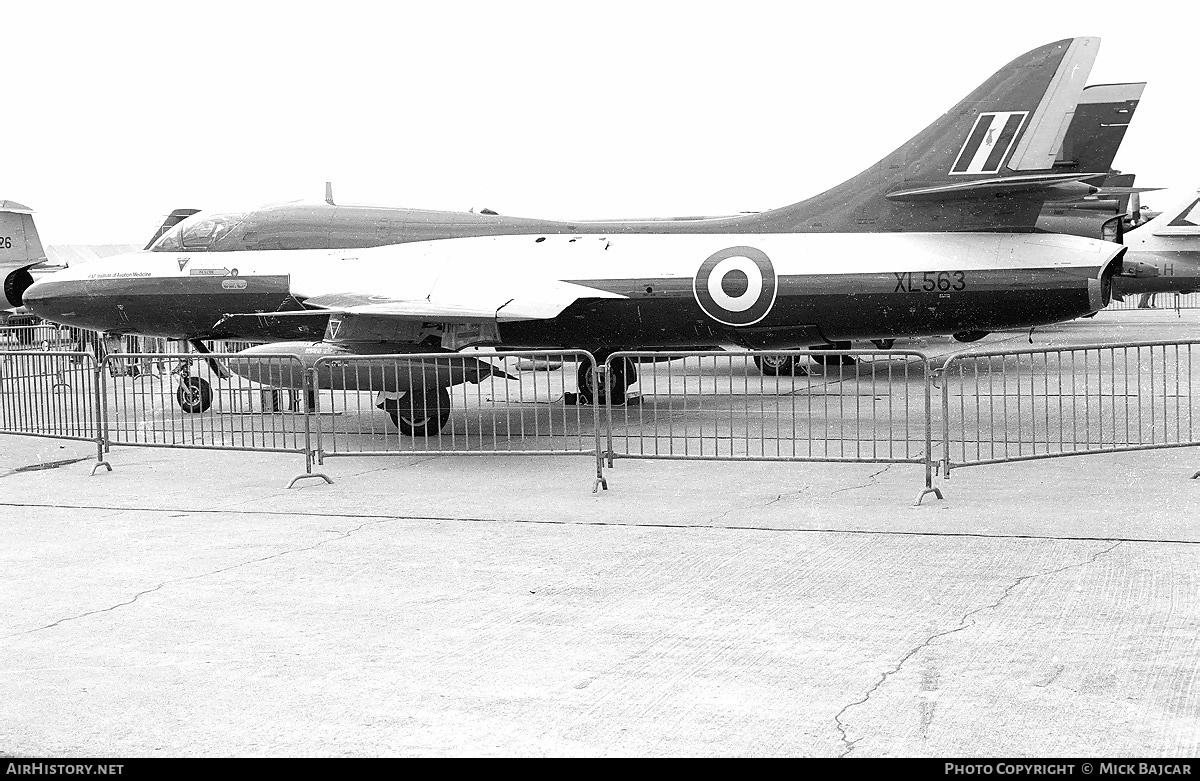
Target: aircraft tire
column 414, row 414
column 969, row 336
column 779, row 365
column 884, row 344
column 623, row 375
column 194, row 395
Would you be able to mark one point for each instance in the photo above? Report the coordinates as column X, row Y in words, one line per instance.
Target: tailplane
column 988, row 164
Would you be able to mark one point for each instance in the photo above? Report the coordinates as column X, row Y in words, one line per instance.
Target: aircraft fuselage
column 761, row 290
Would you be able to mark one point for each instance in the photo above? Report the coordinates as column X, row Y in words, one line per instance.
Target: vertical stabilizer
column 19, row 240
column 1183, row 220
column 985, row 165
column 20, row 248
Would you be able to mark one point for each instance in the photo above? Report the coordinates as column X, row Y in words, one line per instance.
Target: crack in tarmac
column 841, row 726
column 870, row 481
column 619, row 524
column 342, row 536
column 778, row 498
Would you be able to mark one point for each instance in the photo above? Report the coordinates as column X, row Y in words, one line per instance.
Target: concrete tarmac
column 187, row 604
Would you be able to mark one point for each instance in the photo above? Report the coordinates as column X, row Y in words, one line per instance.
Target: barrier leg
column 100, row 462
column 308, row 461
column 307, row 475
column 928, row 489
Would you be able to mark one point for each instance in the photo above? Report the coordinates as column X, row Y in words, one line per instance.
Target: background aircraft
column 1170, row 244
column 22, row 259
column 938, row 237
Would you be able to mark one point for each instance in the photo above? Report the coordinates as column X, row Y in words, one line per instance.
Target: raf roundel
column 736, row 286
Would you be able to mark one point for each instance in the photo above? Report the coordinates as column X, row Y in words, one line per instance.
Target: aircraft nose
column 52, row 299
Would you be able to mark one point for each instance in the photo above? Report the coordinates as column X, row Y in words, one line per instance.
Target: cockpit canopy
column 197, row 233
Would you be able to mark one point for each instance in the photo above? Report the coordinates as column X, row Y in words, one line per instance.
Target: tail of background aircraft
column 174, row 218
column 1182, row 220
column 988, row 164
column 20, row 248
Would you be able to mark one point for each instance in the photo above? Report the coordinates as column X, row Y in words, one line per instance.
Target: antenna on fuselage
column 329, row 194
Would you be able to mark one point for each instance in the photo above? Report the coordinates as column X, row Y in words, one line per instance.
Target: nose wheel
column 194, row 394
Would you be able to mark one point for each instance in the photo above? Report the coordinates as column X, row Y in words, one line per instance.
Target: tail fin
column 174, row 218
column 987, row 164
column 1183, row 220
column 20, row 248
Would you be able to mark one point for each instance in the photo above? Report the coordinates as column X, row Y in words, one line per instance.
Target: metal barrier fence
column 1160, row 301
column 1041, row 403
column 482, row 403
column 861, row 406
column 45, row 337
column 797, row 405
column 51, row 394
column 192, row 400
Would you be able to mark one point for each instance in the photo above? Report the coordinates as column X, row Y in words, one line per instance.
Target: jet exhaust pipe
column 15, row 285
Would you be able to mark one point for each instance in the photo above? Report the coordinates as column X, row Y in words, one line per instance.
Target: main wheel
column 622, row 374
column 194, row 394
column 969, row 336
column 884, row 344
column 779, row 365
column 419, row 414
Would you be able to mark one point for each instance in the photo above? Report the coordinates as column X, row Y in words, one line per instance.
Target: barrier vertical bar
column 928, row 435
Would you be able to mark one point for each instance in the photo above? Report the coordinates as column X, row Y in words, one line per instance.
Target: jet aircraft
column 939, row 237
column 20, row 250
column 1170, row 244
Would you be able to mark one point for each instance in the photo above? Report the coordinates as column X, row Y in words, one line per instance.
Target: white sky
column 116, row 113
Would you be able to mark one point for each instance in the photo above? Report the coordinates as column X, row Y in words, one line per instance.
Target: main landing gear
column 620, row 376
column 419, row 413
column 969, row 336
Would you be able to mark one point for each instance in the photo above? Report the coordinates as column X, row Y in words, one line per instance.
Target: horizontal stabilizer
column 984, row 187
column 1104, row 192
